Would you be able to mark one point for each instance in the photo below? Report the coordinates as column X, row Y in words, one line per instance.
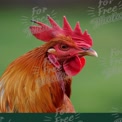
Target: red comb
column 46, row 33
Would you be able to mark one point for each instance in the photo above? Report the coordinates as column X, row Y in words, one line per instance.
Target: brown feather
column 29, row 84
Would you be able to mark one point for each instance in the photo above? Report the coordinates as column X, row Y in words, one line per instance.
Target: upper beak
column 89, row 52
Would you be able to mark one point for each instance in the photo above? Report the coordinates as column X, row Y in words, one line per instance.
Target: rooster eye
column 64, row 47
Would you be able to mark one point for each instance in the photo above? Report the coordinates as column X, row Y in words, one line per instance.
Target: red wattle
column 74, row 65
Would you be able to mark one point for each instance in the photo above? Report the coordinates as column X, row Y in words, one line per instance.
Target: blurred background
column 98, row 87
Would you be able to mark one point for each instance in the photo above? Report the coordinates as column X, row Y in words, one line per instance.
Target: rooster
column 40, row 80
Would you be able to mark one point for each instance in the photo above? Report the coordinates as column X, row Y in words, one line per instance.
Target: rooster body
column 40, row 80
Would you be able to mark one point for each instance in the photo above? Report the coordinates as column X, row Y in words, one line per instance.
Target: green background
column 98, row 87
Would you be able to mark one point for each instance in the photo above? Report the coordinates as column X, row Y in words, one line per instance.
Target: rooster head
column 65, row 47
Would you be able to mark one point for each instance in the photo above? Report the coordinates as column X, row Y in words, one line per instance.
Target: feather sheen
column 32, row 84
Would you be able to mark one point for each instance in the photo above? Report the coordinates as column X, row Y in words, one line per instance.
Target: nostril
column 83, row 48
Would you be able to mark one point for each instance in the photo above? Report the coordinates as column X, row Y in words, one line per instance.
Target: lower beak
column 89, row 52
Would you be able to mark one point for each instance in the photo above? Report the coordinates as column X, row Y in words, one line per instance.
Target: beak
column 88, row 52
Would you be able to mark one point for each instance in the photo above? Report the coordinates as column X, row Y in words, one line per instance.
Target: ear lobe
column 51, row 51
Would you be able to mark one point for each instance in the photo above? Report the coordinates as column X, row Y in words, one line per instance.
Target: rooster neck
column 54, row 74
column 58, row 75
column 30, row 81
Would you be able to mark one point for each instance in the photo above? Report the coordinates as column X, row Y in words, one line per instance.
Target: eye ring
column 64, row 47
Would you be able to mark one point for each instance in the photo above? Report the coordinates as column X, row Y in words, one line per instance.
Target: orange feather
column 31, row 84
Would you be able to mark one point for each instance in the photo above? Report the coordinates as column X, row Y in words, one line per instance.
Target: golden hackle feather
column 32, row 84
